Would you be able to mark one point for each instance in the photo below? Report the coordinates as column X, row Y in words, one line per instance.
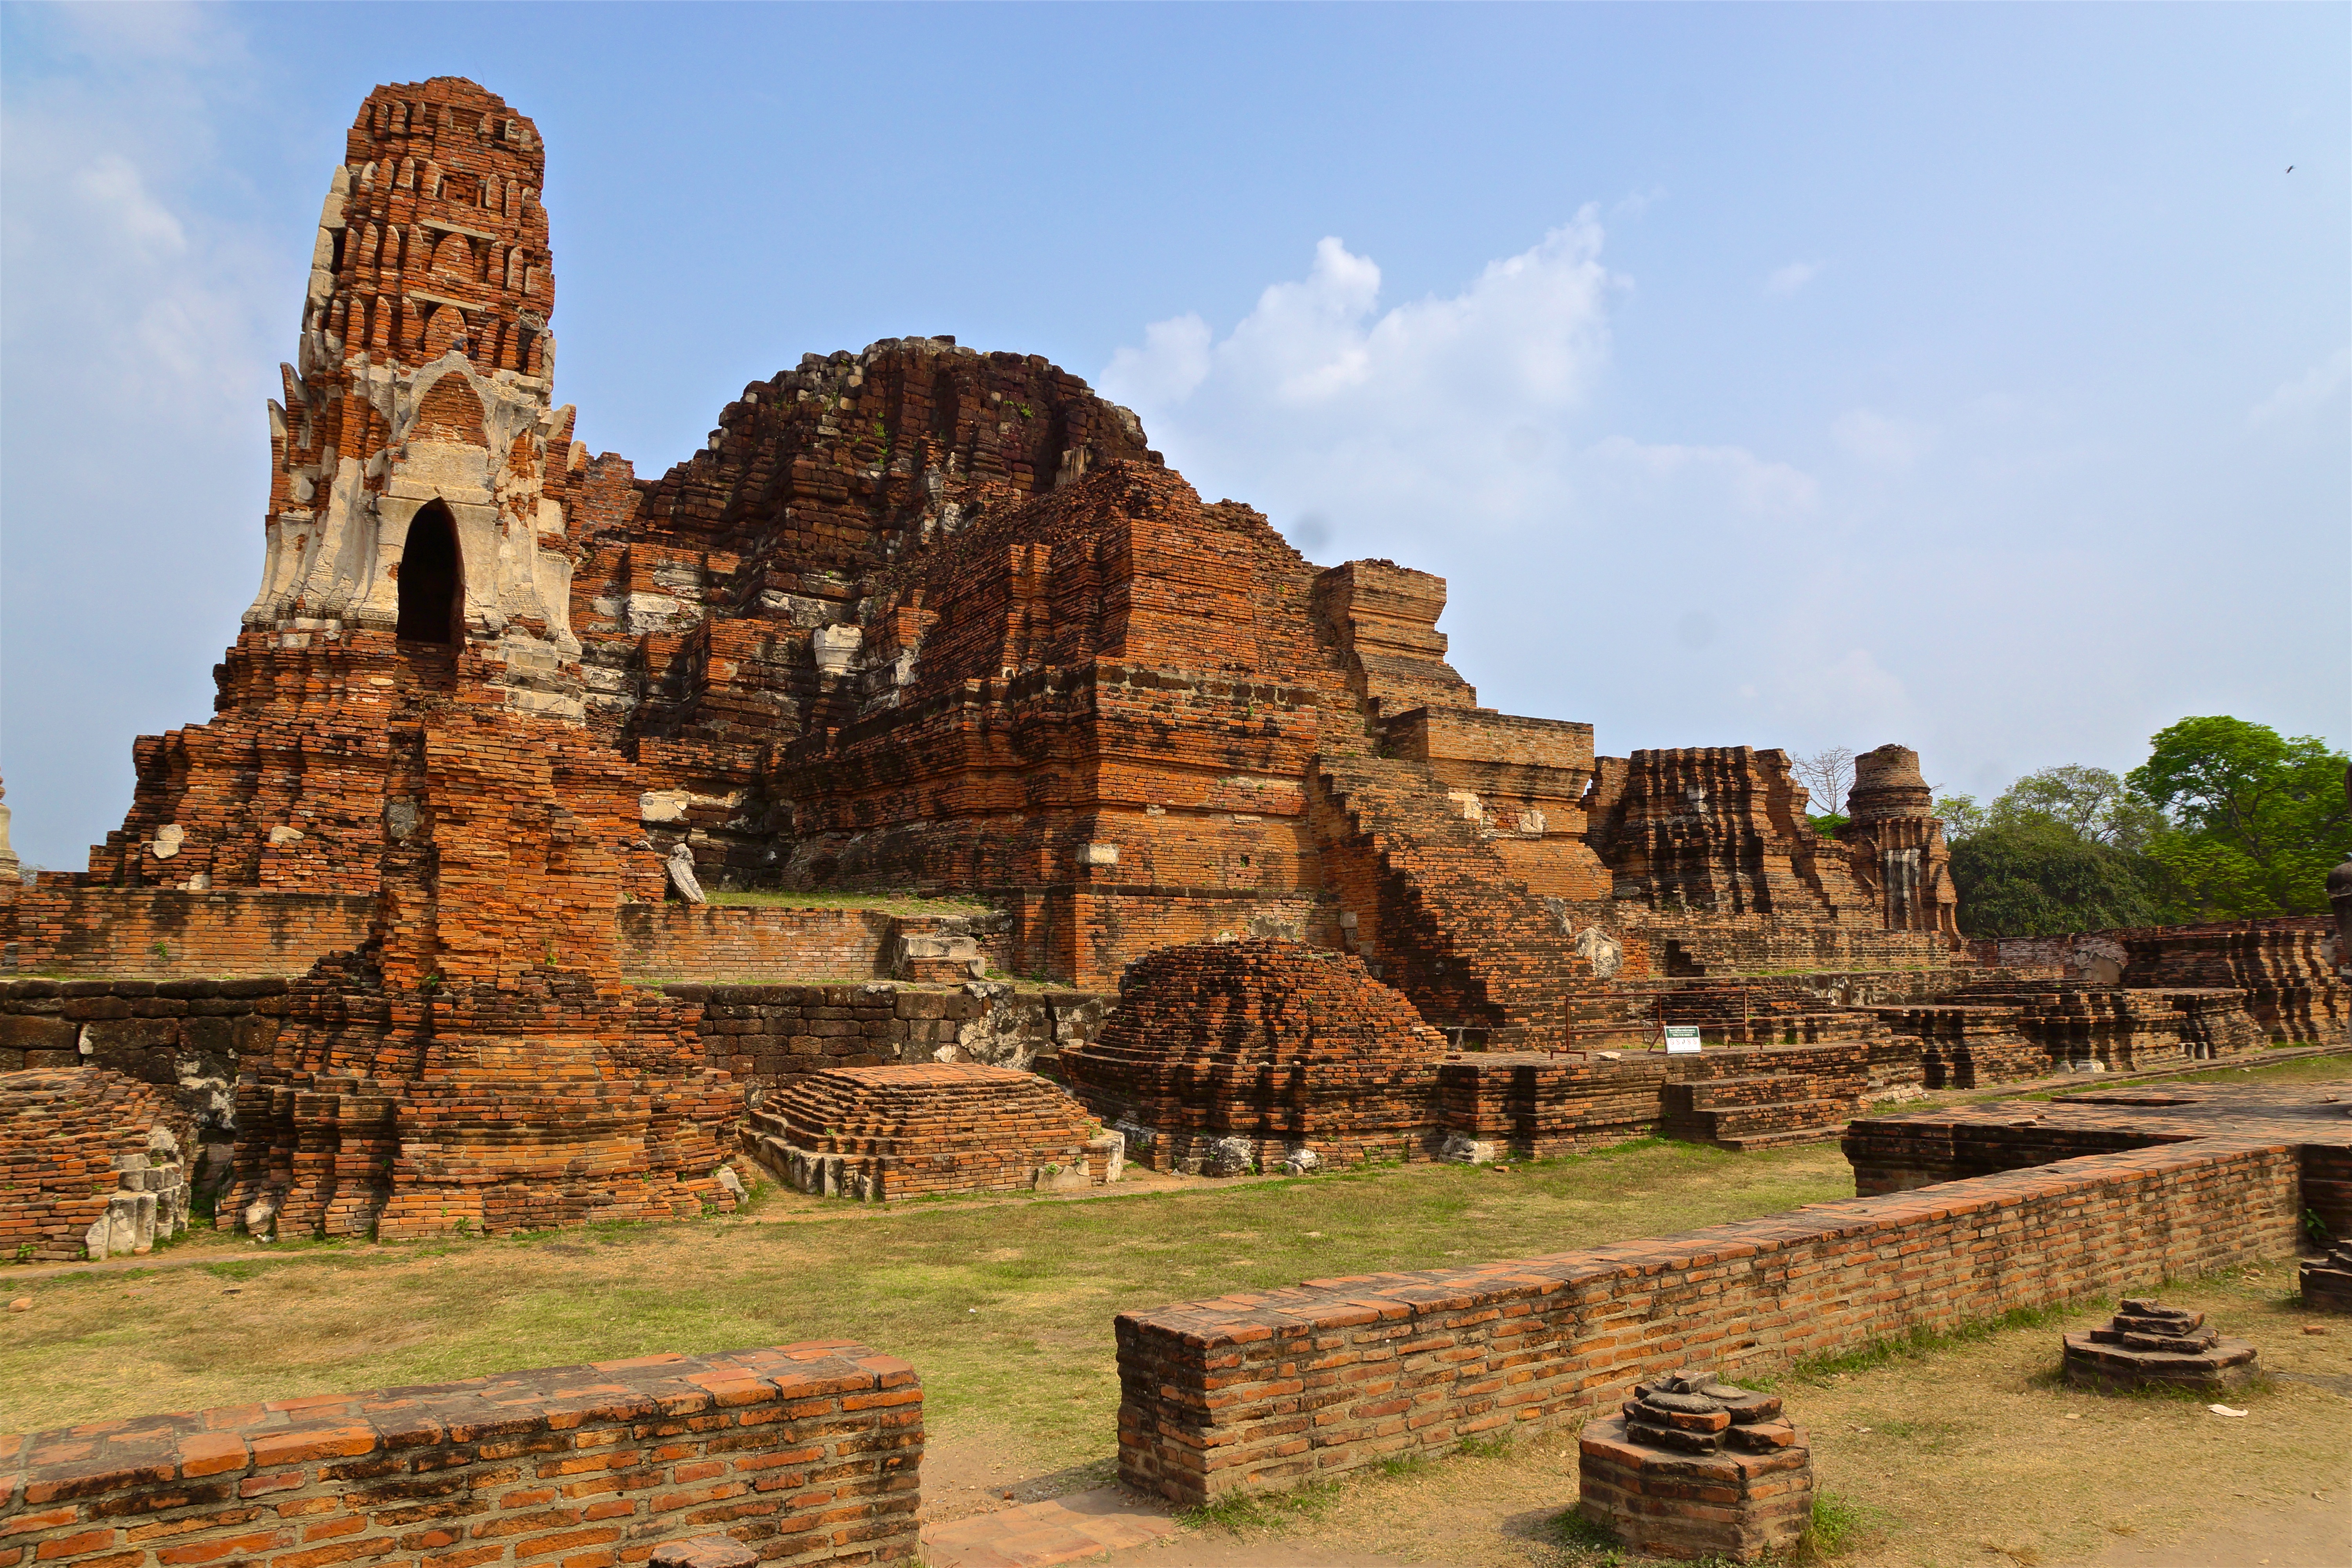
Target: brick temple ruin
column 393, row 934
column 394, row 945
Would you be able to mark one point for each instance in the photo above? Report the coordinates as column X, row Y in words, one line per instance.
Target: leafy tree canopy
column 2261, row 818
column 2097, row 804
column 2031, row 874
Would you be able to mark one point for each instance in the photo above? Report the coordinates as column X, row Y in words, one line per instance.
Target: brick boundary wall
column 807, row 1453
column 67, row 930
column 1272, row 1388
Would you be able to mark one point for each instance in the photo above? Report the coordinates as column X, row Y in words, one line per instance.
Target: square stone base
column 1732, row 1505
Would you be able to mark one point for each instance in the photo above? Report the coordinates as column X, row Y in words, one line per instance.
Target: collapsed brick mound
column 2328, row 1280
column 2149, row 1344
column 884, row 1132
column 1226, row 1057
column 89, row 1166
column 1694, row 1467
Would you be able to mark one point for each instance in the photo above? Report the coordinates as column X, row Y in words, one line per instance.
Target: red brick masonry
column 809, row 1453
column 1271, row 1388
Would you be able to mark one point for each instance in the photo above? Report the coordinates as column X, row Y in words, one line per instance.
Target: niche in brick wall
column 431, row 578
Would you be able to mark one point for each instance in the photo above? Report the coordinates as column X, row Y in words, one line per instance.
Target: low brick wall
column 808, row 1452
column 1271, row 1388
column 162, row 932
column 157, row 1031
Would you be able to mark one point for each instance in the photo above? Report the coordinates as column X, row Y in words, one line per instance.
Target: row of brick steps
column 1453, row 904
column 1744, row 1114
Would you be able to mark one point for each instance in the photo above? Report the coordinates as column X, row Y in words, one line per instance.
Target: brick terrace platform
column 884, row 1132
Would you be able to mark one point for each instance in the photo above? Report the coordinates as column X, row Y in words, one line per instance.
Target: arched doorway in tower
column 432, row 578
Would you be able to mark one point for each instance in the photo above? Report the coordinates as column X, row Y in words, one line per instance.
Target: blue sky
column 1973, row 377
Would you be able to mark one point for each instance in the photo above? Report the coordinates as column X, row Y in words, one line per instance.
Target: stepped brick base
column 2327, row 1281
column 884, row 1132
column 1226, row 1056
column 1672, row 1502
column 1745, row 1113
column 2147, row 1345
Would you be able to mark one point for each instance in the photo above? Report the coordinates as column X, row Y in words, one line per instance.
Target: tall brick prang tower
column 417, row 525
column 402, row 715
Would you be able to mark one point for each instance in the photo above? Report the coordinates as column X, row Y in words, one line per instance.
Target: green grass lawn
column 1004, row 1309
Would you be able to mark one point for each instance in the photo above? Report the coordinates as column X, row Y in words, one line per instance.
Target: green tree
column 2261, row 818
column 1960, row 815
column 2027, row 873
column 2095, row 803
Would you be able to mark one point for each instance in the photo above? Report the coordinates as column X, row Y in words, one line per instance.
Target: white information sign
column 1682, row 1039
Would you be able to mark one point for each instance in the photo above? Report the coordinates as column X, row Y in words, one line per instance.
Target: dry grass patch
column 1004, row 1308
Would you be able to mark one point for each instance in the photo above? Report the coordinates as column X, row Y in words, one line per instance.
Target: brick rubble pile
column 1224, row 1056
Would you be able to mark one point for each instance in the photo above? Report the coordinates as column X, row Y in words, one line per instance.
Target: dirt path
column 2308, row 1532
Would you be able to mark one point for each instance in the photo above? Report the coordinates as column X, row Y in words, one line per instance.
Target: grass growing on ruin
column 888, row 901
column 2303, row 1069
column 1005, row 1308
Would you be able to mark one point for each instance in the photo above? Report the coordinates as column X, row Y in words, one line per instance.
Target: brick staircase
column 1744, row 1114
column 1472, row 946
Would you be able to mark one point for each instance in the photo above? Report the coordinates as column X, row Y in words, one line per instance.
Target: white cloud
column 1173, row 360
column 2294, row 399
column 147, row 305
column 1530, row 327
column 1880, row 440
column 1321, row 400
column 1786, row 281
column 1753, row 483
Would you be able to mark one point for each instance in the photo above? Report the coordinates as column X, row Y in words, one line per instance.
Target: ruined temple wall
column 764, row 1035
column 2284, row 966
column 745, row 943
column 184, row 1038
column 1383, row 620
column 1719, row 830
column 66, row 930
column 1521, row 780
column 80, row 1148
column 1696, row 943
